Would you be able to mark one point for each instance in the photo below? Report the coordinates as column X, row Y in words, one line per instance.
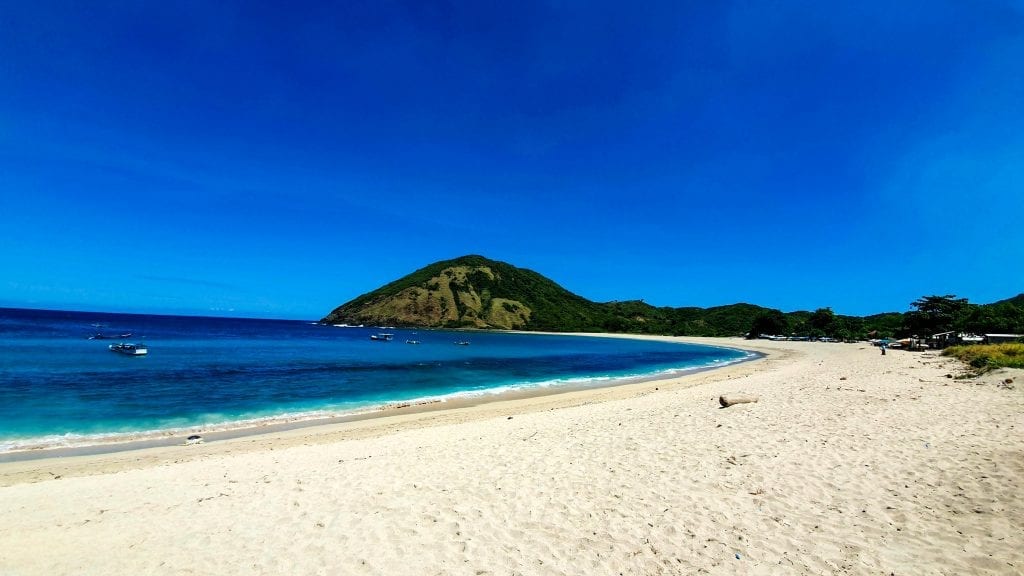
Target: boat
column 462, row 343
column 382, row 337
column 412, row 341
column 129, row 349
column 101, row 336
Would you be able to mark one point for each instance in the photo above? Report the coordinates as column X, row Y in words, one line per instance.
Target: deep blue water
column 58, row 387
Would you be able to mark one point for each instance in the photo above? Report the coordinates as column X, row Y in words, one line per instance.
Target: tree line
column 928, row 315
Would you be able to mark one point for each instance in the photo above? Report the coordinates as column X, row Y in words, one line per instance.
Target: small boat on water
column 412, row 341
column 101, row 336
column 382, row 337
column 129, row 349
column 462, row 343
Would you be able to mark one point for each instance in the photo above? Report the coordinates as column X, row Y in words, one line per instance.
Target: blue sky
column 278, row 159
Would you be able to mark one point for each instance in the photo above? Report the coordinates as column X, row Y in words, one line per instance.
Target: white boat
column 382, row 337
column 129, row 349
column 412, row 341
column 101, row 336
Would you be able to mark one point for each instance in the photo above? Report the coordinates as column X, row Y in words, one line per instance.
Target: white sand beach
column 850, row 463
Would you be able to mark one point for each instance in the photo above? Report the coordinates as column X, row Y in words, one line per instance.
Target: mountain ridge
column 473, row 291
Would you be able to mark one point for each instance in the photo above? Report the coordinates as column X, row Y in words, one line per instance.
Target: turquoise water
column 58, row 387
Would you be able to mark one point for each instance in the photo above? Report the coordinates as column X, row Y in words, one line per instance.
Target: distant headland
column 476, row 292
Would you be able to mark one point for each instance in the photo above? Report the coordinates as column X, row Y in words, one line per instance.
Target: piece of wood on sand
column 727, row 400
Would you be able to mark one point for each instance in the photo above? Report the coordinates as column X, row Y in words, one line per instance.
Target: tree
column 850, row 328
column 770, row 322
column 822, row 322
column 1001, row 317
column 936, row 314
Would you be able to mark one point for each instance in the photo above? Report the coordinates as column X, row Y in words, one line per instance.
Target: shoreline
column 850, row 463
column 36, row 464
column 96, row 444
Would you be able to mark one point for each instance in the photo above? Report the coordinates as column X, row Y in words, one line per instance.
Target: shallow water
column 58, row 387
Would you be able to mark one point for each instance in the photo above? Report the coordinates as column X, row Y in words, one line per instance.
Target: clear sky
column 277, row 159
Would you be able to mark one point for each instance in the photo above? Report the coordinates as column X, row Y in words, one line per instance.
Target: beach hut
column 952, row 338
column 942, row 339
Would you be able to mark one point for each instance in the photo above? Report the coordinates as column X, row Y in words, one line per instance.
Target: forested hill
column 476, row 292
column 473, row 292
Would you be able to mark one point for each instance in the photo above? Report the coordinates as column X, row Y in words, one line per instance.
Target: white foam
column 219, row 423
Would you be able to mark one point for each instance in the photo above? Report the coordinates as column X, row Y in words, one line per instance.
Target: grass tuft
column 987, row 356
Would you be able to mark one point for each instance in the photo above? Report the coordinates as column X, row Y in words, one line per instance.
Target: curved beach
column 851, row 463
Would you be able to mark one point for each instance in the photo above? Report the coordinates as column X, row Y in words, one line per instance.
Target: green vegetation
column 770, row 322
column 988, row 356
column 475, row 292
column 929, row 315
column 421, row 299
column 935, row 314
column 475, row 282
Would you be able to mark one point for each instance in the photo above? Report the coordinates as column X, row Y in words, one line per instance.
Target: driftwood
column 730, row 399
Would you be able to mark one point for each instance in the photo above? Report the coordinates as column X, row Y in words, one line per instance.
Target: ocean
column 59, row 387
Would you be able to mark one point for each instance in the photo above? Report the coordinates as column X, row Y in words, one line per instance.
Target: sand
column 850, row 463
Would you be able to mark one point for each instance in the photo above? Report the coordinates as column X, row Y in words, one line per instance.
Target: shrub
column 987, row 356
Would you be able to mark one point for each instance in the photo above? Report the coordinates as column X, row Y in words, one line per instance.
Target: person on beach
column 882, row 346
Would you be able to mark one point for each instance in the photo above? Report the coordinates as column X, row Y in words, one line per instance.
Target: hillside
column 472, row 292
column 476, row 292
column 1017, row 301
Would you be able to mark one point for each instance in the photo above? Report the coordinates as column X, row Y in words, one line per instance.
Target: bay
column 58, row 387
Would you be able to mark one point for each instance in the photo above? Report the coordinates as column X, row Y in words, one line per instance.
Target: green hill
column 1017, row 301
column 475, row 292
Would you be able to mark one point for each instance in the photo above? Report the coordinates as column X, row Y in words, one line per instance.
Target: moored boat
column 382, row 337
column 129, row 349
column 101, row 336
